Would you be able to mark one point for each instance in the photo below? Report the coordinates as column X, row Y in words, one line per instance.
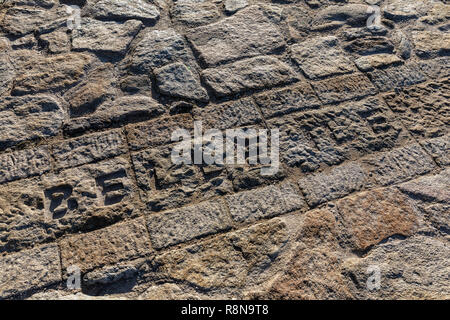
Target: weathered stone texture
column 255, row 73
column 105, row 37
column 173, row 227
column 439, row 149
column 337, row 183
column 29, row 270
column 374, row 215
column 266, row 202
column 322, row 57
column 194, row 13
column 86, row 149
column 424, row 109
column 229, row 261
column 125, row 10
column 399, row 164
column 29, row 118
column 91, row 100
column 122, row 110
column 119, row 242
column 157, row 132
column 398, row 77
column 47, row 73
column 343, row 88
column 330, row 136
column 297, row 98
column 85, row 198
column 24, row 164
column 161, row 47
column 246, row 34
column 229, row 115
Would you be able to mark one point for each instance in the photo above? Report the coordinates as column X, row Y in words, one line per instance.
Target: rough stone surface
column 123, row 241
column 177, row 80
column 79, row 199
column 161, row 47
column 399, row 164
column 105, row 37
column 229, row 115
column 24, row 164
column 185, row 224
column 424, row 109
column 97, row 146
column 372, row 216
column 125, row 10
column 328, row 137
column 6, row 74
column 123, row 109
column 28, row 118
column 416, row 268
column 322, row 57
column 264, row 203
column 393, row 78
column 255, row 73
column 339, row 182
column 248, row 33
column 47, row 73
column 297, row 98
column 353, row 104
column 29, row 270
column 343, row 88
column 193, row 13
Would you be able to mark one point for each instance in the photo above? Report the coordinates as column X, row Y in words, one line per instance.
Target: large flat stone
column 266, row 202
column 104, row 37
column 246, row 34
column 181, row 225
column 372, row 216
column 321, row 57
column 343, row 88
column 254, row 73
column 229, row 261
column 399, row 164
column 29, row 118
column 47, row 73
column 123, row 241
column 298, row 98
column 80, row 199
column 29, row 270
column 414, row 268
column 89, row 148
column 24, row 164
column 335, row 184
